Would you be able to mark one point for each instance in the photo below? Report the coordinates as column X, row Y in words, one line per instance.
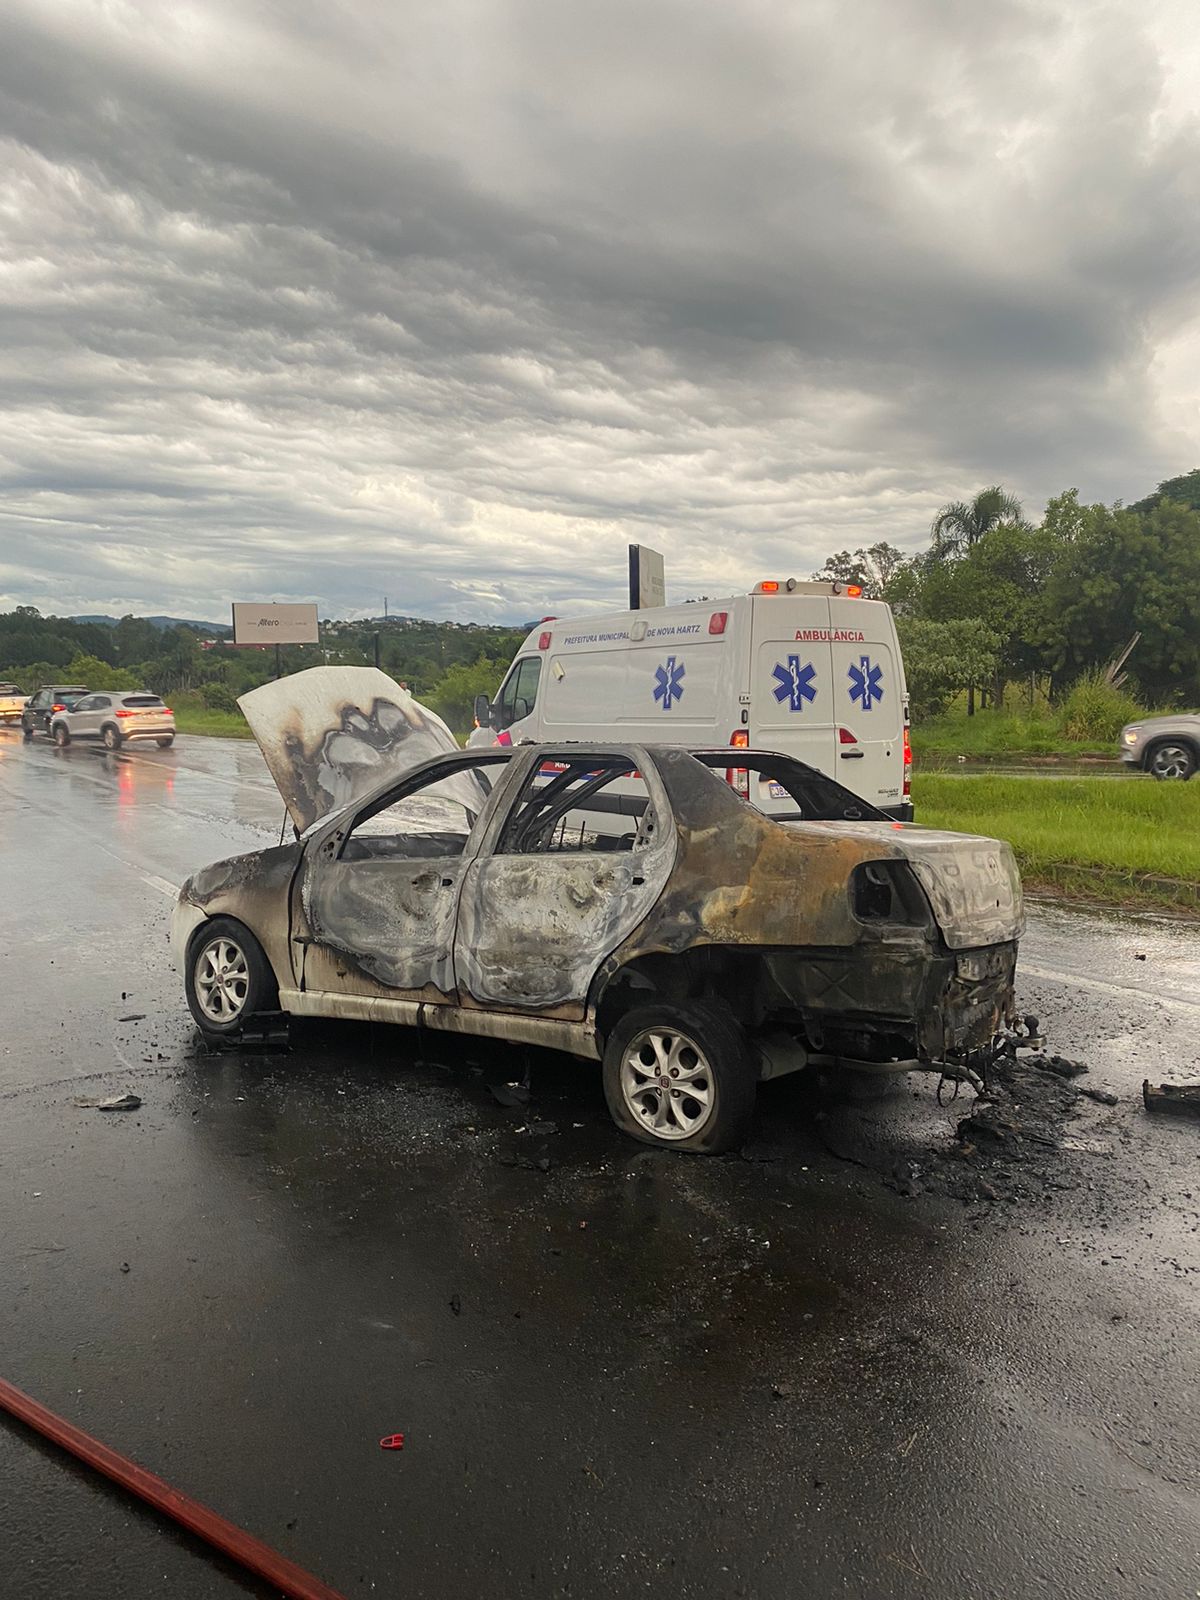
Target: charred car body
column 621, row 902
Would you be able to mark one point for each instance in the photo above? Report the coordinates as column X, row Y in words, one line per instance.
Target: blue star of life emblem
column 866, row 683
column 668, row 683
column 794, row 683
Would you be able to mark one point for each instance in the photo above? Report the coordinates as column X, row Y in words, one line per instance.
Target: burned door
column 379, row 896
column 585, row 851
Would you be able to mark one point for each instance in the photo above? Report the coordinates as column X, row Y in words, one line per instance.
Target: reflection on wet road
column 771, row 1375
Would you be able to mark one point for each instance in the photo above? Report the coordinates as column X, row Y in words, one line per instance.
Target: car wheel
column 165, row 744
column 61, row 736
column 1172, row 760
column 680, row 1077
column 26, row 731
column 112, row 739
column 228, row 979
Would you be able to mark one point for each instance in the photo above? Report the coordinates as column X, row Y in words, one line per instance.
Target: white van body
column 807, row 669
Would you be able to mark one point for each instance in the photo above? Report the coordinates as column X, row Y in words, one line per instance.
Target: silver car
column 1166, row 747
column 113, row 717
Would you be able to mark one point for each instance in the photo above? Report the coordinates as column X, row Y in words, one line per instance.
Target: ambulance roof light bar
column 852, row 591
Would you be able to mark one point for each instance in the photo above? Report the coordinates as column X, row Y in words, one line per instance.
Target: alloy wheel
column 1171, row 761
column 222, row 979
column 667, row 1084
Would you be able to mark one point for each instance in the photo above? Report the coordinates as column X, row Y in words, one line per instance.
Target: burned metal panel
column 331, row 734
column 392, row 920
column 533, row 928
column 254, row 889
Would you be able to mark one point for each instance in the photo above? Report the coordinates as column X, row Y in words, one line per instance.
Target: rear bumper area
column 902, row 811
column 900, row 999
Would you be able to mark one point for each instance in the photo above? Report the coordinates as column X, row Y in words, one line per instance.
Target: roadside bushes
column 218, row 697
column 1096, row 710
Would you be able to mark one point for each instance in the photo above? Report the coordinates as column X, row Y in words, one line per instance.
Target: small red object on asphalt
column 394, row 1441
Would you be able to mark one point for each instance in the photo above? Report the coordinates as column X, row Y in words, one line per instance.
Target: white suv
column 114, row 718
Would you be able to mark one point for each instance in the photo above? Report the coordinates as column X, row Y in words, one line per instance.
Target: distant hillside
column 161, row 622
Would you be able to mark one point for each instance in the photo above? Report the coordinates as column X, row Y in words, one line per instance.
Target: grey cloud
column 452, row 302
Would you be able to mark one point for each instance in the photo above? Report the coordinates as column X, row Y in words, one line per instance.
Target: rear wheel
column 165, row 744
column 1171, row 759
column 681, row 1077
column 111, row 737
column 228, row 979
column 61, row 736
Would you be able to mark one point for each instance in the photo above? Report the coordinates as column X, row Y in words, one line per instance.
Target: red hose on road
column 255, row 1556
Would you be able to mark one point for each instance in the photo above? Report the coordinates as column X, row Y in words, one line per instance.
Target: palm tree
column 960, row 525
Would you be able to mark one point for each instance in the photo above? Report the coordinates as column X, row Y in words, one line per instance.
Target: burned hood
column 330, row 734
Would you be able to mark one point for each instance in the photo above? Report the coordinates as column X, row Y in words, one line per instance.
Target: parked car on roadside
column 47, row 701
column 114, row 718
column 12, row 702
column 1166, row 747
column 695, row 929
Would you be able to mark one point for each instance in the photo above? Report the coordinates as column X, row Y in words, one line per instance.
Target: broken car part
column 1178, row 1099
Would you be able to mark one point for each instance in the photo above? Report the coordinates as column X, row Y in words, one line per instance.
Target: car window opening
column 579, row 807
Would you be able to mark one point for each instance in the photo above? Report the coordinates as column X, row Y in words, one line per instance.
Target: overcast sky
column 450, row 300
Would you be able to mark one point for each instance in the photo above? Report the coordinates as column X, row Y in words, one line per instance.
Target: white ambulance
column 809, row 669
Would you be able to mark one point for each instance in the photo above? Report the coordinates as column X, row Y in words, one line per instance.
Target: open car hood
column 331, row 733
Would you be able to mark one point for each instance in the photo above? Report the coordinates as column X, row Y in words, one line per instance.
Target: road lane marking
column 1120, row 991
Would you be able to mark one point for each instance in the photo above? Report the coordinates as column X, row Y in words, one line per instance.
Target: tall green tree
column 875, row 568
column 963, row 523
column 1184, row 491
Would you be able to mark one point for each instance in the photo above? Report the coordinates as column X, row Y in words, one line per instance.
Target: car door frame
column 89, row 730
column 473, row 890
column 315, row 962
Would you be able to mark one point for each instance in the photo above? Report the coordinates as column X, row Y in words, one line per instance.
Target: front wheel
column 112, row 739
column 1172, row 760
column 228, row 979
column 61, row 736
column 681, row 1077
column 26, row 731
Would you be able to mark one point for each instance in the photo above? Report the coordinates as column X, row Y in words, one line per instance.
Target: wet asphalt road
column 789, row 1373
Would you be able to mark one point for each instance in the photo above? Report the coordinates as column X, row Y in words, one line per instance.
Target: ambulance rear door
column 792, row 701
column 868, row 700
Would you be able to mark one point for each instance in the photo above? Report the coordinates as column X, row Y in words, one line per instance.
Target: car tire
column 698, row 1048
column 26, row 731
column 165, row 744
column 60, row 735
column 111, row 736
column 1171, row 759
column 227, row 978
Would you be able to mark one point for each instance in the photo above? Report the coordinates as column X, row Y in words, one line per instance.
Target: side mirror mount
column 483, row 711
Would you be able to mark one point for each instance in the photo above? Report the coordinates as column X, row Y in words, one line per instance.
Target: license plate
column 777, row 791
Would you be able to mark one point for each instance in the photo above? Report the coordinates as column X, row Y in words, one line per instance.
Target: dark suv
column 44, row 702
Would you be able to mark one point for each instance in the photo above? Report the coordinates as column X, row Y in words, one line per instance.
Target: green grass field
column 1127, row 840
column 193, row 716
column 998, row 733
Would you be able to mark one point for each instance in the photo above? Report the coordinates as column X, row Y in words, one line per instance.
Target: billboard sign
column 274, row 624
column 647, row 581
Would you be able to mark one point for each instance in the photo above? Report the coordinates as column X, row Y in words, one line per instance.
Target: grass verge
column 1124, row 842
column 997, row 733
column 193, row 716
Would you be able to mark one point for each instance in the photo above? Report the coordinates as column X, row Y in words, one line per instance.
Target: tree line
column 996, row 602
column 444, row 664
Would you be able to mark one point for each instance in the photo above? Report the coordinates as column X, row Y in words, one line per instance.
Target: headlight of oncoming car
column 1132, row 735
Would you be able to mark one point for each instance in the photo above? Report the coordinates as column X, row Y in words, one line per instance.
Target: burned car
column 624, row 903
